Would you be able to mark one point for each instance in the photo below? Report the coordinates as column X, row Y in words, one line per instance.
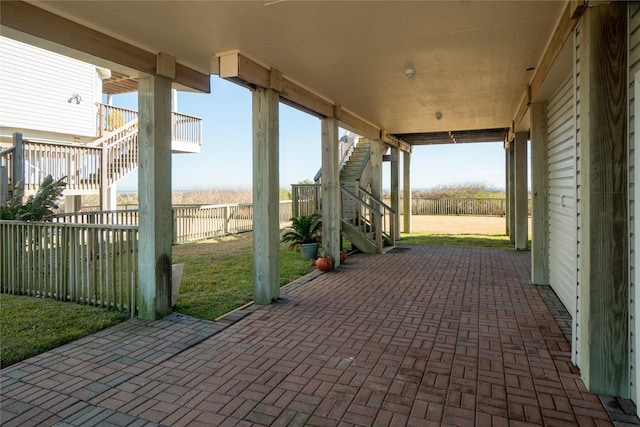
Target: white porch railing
column 82, row 263
column 184, row 129
column 80, row 164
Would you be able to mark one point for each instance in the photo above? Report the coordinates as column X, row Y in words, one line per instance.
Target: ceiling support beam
column 31, row 20
column 246, row 72
column 570, row 16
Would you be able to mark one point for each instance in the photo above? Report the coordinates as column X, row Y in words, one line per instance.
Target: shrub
column 40, row 207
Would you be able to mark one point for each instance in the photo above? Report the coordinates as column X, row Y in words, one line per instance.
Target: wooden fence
column 469, row 206
column 82, row 263
column 92, row 257
column 190, row 223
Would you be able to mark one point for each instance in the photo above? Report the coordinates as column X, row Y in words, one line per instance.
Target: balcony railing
column 185, row 130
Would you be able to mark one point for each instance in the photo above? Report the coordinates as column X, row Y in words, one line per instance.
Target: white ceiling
column 470, row 57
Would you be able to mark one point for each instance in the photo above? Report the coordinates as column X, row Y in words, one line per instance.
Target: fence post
column 174, row 224
column 295, row 194
column 225, row 220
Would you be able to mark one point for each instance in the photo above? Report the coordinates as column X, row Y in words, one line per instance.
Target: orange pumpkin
column 324, row 263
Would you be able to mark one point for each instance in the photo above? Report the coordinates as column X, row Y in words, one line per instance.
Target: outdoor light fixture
column 438, row 115
column 410, row 73
column 75, row 98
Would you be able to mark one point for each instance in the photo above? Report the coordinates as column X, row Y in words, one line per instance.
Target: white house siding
column 576, row 324
column 35, row 88
column 562, row 193
column 634, row 194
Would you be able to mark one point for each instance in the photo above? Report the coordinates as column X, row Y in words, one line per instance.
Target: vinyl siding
column 35, row 87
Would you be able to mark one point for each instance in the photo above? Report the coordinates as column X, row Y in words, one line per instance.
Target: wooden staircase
column 366, row 222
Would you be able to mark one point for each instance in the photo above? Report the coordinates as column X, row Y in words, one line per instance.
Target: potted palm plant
column 304, row 234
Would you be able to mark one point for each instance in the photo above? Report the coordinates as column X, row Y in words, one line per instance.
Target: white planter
column 176, row 278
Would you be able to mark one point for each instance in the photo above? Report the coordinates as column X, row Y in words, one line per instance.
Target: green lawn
column 483, row 240
column 218, row 274
column 30, row 326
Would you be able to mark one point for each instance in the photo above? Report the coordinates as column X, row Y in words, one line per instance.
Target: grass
column 483, row 240
column 30, row 326
column 218, row 274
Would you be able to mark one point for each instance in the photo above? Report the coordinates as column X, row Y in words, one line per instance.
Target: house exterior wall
column 634, row 195
column 561, row 196
column 36, row 86
column 576, row 328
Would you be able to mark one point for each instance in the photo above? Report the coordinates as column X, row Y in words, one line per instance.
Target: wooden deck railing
column 80, row 164
column 186, row 128
column 82, row 263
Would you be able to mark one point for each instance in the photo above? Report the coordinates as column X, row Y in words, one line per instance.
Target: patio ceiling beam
column 238, row 68
column 28, row 19
column 568, row 20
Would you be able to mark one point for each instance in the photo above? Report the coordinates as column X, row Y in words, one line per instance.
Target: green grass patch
column 30, row 326
column 218, row 274
column 481, row 240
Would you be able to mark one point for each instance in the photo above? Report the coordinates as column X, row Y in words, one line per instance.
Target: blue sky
column 225, row 158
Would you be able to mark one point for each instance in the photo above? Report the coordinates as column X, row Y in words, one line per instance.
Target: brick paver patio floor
column 421, row 336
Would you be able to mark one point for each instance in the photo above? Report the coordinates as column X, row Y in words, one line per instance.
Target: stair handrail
column 363, row 165
column 346, row 150
column 113, row 165
column 369, row 219
column 113, row 136
column 7, row 151
column 385, row 211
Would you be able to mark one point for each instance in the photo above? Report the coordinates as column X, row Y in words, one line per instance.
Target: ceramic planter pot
column 309, row 250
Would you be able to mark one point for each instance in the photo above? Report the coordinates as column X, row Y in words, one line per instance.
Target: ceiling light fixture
column 410, row 73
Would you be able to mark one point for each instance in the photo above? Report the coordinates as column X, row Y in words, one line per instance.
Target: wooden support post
column 72, row 203
column 376, row 168
column 406, row 191
column 506, row 192
column 511, row 195
column 17, row 178
column 4, row 185
column 331, row 195
column 154, row 185
column 395, row 189
column 104, row 180
column 266, row 195
column 539, row 195
column 521, row 193
column 603, row 344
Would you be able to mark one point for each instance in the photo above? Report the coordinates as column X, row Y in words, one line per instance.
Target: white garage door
column 561, row 159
